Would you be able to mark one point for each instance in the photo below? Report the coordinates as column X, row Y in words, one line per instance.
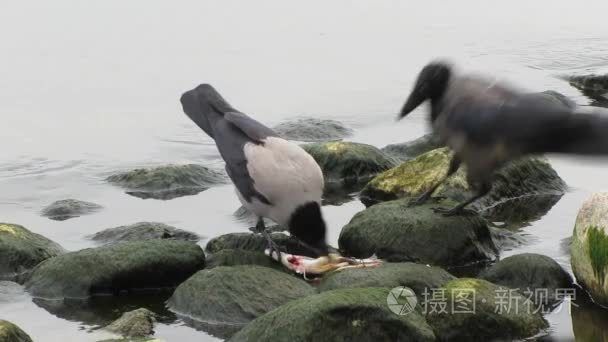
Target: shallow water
column 88, row 89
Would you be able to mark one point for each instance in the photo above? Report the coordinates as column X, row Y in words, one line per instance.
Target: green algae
column 598, row 252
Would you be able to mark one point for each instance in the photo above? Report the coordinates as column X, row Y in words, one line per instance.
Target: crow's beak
column 414, row 100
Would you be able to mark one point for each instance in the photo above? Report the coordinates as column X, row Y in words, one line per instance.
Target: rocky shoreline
column 233, row 291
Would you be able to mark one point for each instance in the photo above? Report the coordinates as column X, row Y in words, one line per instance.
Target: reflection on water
column 100, row 311
column 589, row 321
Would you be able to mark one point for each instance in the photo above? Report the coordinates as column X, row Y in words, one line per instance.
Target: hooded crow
column 274, row 178
column 487, row 124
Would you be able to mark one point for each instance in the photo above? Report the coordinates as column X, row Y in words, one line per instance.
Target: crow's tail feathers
column 204, row 105
column 579, row 133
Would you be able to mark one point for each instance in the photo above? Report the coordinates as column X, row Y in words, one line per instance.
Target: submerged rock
column 167, row 182
column 418, row 277
column 536, row 276
column 360, row 314
column 396, row 231
column 528, row 177
column 412, row 149
column 116, row 268
column 236, row 257
column 69, row 208
column 590, row 247
column 100, row 311
column 477, row 310
column 506, row 240
column 349, row 163
column 312, row 129
column 12, row 333
column 21, row 250
column 592, row 86
column 142, row 231
column 257, row 243
column 235, row 295
column 136, row 323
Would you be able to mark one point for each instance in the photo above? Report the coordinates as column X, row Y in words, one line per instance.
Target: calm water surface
column 88, row 89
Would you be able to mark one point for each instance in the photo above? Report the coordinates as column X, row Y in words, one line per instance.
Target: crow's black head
column 431, row 84
column 307, row 224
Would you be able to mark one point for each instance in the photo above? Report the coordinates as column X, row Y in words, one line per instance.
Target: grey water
column 91, row 88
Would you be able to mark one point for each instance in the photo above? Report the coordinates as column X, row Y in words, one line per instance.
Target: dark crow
column 274, row 178
column 487, row 124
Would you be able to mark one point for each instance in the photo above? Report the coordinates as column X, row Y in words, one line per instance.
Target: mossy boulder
column 236, row 257
column 69, row 208
column 21, row 250
column 312, row 129
column 167, row 182
column 349, row 163
column 360, row 314
column 528, row 177
column 257, row 243
column 142, row 231
column 9, row 332
column 538, row 277
column 116, row 268
column 412, row 149
column 136, row 323
column 396, row 231
column 418, row 277
column 235, row 295
column 477, row 310
column 589, row 248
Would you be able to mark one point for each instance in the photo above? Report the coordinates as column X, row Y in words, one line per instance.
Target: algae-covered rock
column 9, row 332
column 396, row 231
column 21, row 250
column 257, row 243
column 116, row 268
column 236, row 257
column 167, row 182
column 136, row 323
column 348, row 162
column 417, row 277
column 538, row 277
column 69, row 208
column 590, row 247
column 412, row 149
column 477, row 310
column 532, row 176
column 235, row 295
column 360, row 314
column 312, row 129
column 142, row 231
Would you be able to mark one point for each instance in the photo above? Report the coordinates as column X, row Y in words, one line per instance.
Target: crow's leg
column 484, row 188
column 454, row 166
column 261, row 228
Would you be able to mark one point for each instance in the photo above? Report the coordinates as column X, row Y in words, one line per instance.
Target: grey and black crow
column 487, row 124
column 274, row 178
